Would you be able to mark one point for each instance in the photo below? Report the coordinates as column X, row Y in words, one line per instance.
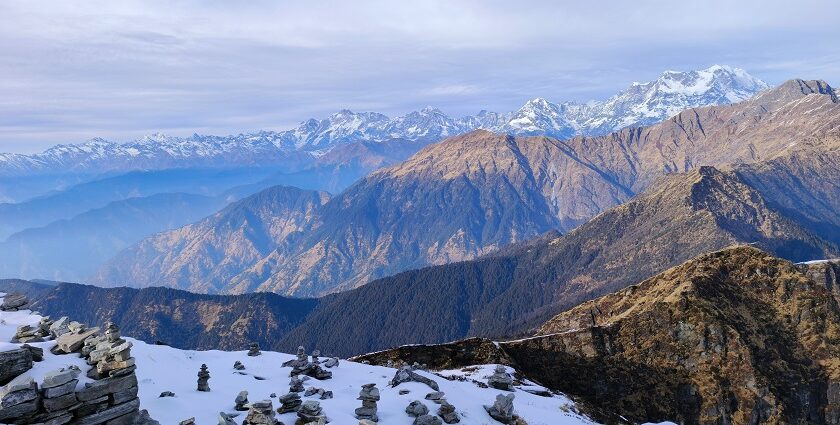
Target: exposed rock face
column 472, row 194
column 735, row 336
column 14, row 363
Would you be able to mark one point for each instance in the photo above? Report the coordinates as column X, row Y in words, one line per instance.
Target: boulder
column 416, row 408
column 71, row 342
column 406, row 374
column 225, row 419
column 13, row 363
column 14, row 302
column 502, row 409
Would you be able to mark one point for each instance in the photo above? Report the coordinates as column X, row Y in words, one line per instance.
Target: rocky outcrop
column 735, row 336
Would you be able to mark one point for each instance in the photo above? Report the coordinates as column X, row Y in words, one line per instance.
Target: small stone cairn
column 289, row 403
column 203, row 378
column 295, row 385
column 416, row 408
column 447, row 413
column 254, row 350
column 502, row 409
column 261, row 413
column 237, row 365
column 241, row 401
column 501, row 380
column 302, row 366
column 369, row 396
column 309, row 412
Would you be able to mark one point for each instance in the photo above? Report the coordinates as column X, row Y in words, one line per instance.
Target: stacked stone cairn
column 110, row 399
column 289, row 403
column 369, row 396
column 416, row 408
column 261, row 413
column 241, row 401
column 427, row 420
column 295, row 384
column 501, row 380
column 237, row 365
column 203, row 379
column 254, row 350
column 302, row 366
column 38, row 333
column 310, row 411
column 502, row 409
column 447, row 413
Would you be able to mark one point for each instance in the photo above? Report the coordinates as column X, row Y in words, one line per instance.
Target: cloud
column 78, row 69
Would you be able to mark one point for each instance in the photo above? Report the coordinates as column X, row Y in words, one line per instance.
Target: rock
column 254, row 349
column 166, row 394
column 447, row 413
column 366, row 422
column 326, row 395
column 37, row 352
column 19, row 410
column 369, row 396
column 190, row 421
column 296, row 385
column 60, row 390
column 237, row 365
column 289, row 403
column 109, row 413
column 14, row 302
column 241, row 401
column 260, row 413
column 18, row 397
column 406, row 374
column 123, row 396
column 500, row 379
column 416, row 408
column 60, row 377
column 436, row 396
column 404, row 392
column 20, row 383
column 331, row 362
column 14, row 362
column 427, row 420
column 72, row 341
column 502, row 409
column 60, row 402
column 225, row 419
column 310, row 411
column 59, row 327
column 103, row 387
column 203, row 378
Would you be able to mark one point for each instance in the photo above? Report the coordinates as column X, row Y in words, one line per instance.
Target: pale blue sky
column 73, row 70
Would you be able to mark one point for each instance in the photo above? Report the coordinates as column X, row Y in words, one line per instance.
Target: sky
column 74, row 70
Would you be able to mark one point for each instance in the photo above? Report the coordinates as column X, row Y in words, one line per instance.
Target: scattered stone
column 502, row 409
column 166, row 394
column 203, row 378
column 289, row 403
column 406, row 374
column 237, row 365
column 254, row 350
column 331, row 362
column 369, row 396
column 190, row 421
column 404, row 392
column 296, row 385
column 500, row 379
column 427, row 420
column 310, row 411
column 436, row 396
column 14, row 302
column 326, row 395
column 225, row 419
column 273, row 395
column 447, row 413
column 260, row 413
column 416, row 408
column 241, row 401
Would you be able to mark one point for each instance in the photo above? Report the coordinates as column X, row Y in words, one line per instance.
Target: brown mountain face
column 471, row 194
column 735, row 336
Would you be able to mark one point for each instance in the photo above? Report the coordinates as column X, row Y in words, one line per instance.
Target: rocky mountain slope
column 477, row 192
column 641, row 104
column 735, row 336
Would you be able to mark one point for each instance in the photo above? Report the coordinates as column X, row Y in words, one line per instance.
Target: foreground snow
column 162, row 368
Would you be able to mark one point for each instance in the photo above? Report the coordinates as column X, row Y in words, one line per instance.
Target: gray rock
column 290, row 402
column 13, row 363
column 416, row 408
column 427, row 420
column 237, row 365
column 19, row 410
column 190, row 421
column 406, row 374
column 502, row 409
column 500, row 379
column 225, row 419
column 59, row 327
column 123, row 396
column 60, row 390
column 241, row 401
column 260, row 413
column 109, row 413
column 447, row 413
column 166, row 394
column 60, row 377
column 22, row 382
column 71, row 342
column 106, row 386
column 296, row 385
column 435, row 396
column 18, row 397
column 37, row 352
column 310, row 411
column 331, row 362
column 14, row 302
column 60, row 402
column 254, row 349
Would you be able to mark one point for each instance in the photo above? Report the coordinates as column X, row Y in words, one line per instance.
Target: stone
column 295, row 385
column 436, row 396
column 19, row 410
column 369, row 395
column 366, row 422
column 254, row 349
column 59, row 327
column 37, row 352
column 106, row 386
column 326, row 395
column 203, row 378
column 166, row 394
column 237, row 365
column 260, row 413
column 60, row 377
column 71, row 342
column 190, row 421
column 502, row 409
column 14, row 302
column 331, row 362
column 404, row 392
column 123, row 396
column 500, row 379
column 13, row 363
column 18, row 397
column 60, row 390
column 109, row 413
column 315, row 355
column 60, row 402
column 20, row 383
column 241, row 401
column 310, row 411
column 427, row 420
column 416, row 408
column 290, row 402
column 447, row 413
column 104, row 367
column 225, row 419
column 406, row 374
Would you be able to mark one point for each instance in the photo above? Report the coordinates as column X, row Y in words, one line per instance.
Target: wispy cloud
column 78, row 69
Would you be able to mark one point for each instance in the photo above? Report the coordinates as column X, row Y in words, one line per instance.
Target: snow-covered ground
column 162, row 368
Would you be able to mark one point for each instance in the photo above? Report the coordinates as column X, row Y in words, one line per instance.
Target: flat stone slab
column 72, row 342
column 59, row 377
column 13, row 363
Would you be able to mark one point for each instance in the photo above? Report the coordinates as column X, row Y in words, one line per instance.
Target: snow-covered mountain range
column 640, row 104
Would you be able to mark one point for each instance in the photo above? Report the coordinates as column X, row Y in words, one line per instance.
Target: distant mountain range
column 468, row 196
column 641, row 104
